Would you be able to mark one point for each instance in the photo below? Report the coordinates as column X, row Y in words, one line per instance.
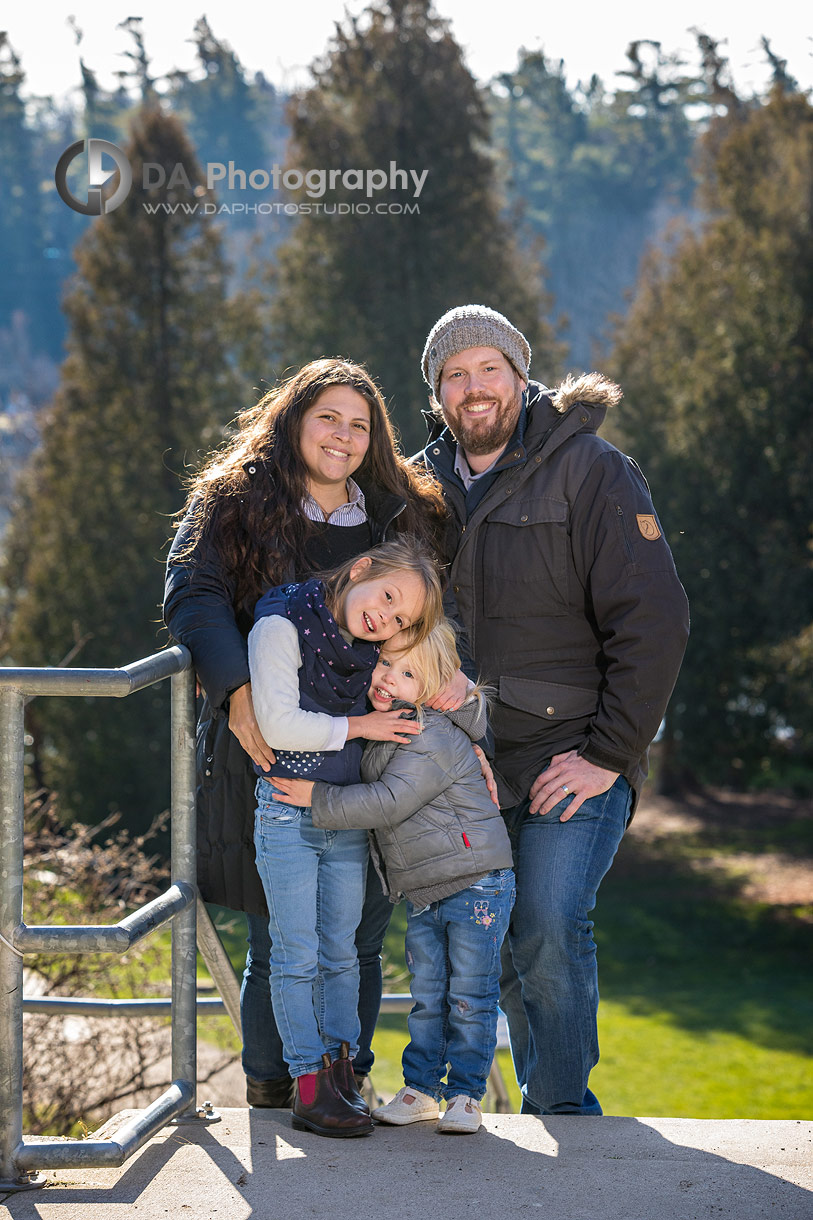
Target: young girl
column 439, row 841
column 311, row 654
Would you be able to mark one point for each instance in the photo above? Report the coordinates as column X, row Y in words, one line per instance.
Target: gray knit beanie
column 472, row 326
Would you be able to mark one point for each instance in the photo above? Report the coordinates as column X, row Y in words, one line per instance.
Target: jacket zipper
column 627, row 544
column 388, row 523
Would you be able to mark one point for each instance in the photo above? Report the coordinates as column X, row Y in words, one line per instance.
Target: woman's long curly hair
column 256, row 520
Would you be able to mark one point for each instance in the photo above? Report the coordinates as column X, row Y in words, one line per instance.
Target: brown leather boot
column 270, row 1094
column 345, row 1081
column 320, row 1107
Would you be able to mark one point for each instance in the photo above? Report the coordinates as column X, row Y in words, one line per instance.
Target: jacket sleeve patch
column 648, row 526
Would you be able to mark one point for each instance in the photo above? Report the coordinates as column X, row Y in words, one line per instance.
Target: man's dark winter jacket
column 200, row 611
column 567, row 590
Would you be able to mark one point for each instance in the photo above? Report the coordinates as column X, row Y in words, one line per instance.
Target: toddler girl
column 312, row 651
column 439, row 841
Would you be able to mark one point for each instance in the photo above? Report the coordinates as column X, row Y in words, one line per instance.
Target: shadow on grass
column 680, row 938
column 751, row 822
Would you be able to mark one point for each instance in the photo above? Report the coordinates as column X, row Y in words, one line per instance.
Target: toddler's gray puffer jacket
column 435, row 829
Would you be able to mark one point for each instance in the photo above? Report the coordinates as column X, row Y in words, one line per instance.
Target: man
column 574, row 612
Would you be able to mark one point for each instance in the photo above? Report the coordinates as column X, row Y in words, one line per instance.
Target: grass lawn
column 704, row 928
column 706, row 996
column 707, row 1003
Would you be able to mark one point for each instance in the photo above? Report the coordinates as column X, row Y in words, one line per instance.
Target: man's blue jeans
column 453, row 951
column 549, row 987
column 263, row 1057
column 314, row 884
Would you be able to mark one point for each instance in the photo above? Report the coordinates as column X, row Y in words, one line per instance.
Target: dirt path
column 770, row 876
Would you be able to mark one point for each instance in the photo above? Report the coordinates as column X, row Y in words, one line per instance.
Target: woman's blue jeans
column 453, row 951
column 314, row 883
column 549, row 988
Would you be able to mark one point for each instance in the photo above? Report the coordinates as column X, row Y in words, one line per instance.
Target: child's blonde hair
column 434, row 657
column 401, row 555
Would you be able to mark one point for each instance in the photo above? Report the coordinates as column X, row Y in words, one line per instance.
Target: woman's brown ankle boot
column 320, row 1107
column 345, row 1081
column 270, row 1094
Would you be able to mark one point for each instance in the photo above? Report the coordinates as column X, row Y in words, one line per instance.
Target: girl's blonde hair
column 434, row 658
column 401, row 555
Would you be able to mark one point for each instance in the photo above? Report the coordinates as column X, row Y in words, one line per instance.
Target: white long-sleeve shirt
column 274, row 661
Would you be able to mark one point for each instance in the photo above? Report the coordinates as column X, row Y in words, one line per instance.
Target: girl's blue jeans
column 453, row 951
column 314, row 884
column 263, row 1057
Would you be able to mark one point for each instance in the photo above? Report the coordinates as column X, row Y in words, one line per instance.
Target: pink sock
column 307, row 1088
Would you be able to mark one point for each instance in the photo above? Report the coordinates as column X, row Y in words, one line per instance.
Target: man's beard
column 479, row 439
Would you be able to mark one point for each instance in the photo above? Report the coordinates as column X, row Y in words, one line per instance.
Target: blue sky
column 281, row 39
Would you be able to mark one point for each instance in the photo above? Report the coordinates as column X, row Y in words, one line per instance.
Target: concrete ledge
column 252, row 1164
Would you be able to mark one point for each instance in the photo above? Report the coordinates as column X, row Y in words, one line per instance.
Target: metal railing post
column 20, row 1158
column 12, row 703
column 184, row 869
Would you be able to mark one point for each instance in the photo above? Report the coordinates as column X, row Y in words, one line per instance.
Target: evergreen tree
column 595, row 175
column 139, row 60
column 220, row 108
column 105, row 115
column 29, row 279
column 233, row 121
column 393, row 88
column 146, row 382
column 716, row 359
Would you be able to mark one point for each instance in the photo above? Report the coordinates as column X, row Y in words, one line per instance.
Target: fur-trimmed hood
column 592, row 388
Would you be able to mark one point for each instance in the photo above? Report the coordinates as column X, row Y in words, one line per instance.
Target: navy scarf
column 336, row 674
column 334, row 677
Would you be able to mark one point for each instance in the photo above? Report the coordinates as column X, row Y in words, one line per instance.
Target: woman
column 310, row 478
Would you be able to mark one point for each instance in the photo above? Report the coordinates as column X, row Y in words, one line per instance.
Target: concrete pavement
column 252, row 1164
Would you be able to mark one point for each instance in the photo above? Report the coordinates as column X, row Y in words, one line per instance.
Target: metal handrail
column 115, row 683
column 192, row 927
column 105, row 938
column 20, row 1158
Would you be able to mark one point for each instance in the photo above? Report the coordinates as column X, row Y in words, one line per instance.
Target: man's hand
column 453, row 694
column 298, row 791
column 488, row 775
column 568, row 774
column 243, row 723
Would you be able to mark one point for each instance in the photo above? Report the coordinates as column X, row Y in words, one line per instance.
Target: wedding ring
column 565, row 788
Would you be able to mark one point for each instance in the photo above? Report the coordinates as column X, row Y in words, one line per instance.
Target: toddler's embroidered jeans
column 314, row 885
column 453, row 951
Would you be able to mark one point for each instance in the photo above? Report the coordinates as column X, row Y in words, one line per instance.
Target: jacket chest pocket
column 525, row 559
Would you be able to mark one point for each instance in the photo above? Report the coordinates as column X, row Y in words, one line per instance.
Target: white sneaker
column 462, row 1116
column 407, row 1106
